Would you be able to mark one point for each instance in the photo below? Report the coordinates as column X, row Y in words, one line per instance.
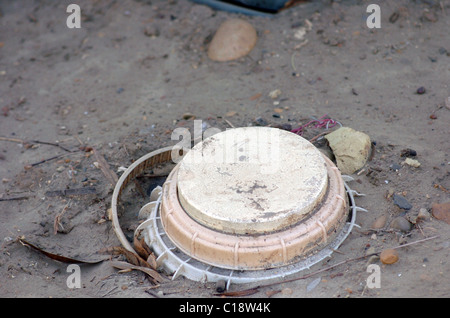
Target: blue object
column 249, row 7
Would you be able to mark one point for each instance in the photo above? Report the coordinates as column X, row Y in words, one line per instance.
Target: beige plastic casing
column 251, row 180
column 273, row 245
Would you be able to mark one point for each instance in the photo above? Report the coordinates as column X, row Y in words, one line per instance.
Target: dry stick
column 104, row 167
column 318, row 136
column 332, row 266
column 57, row 221
column 49, row 159
column 15, row 199
column 34, row 142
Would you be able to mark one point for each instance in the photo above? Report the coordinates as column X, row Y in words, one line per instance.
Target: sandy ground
column 124, row 80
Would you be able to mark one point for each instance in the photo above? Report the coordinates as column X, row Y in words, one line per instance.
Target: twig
column 229, row 123
column 293, row 63
column 15, row 199
column 71, row 192
column 21, row 141
column 43, row 161
column 104, row 167
column 416, row 242
column 57, row 221
column 50, row 144
column 49, row 159
column 11, row 139
column 318, row 136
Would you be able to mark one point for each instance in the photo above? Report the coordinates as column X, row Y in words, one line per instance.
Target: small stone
column 350, row 147
column 429, row 16
column 408, row 153
column 370, row 250
column 380, row 222
column 259, row 121
column 389, row 256
column 287, row 127
column 401, row 202
column 287, row 291
column 441, row 211
column 421, row 90
column 234, row 39
column 423, row 214
column 151, row 31
column 395, row 166
column 412, row 162
column 187, row 116
column 275, row 93
column 400, row 223
column 231, row 113
column 372, row 260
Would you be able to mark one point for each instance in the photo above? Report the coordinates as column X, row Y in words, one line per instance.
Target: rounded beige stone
column 251, row 180
column 234, row 38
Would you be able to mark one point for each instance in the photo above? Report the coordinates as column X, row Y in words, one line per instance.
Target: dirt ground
column 134, row 70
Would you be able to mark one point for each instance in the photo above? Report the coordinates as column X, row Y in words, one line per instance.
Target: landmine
column 231, row 205
column 245, row 205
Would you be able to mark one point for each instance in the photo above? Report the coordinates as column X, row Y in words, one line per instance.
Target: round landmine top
column 251, row 180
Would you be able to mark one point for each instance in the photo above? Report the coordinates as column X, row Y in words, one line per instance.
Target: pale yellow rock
column 412, row 162
column 234, row 39
column 351, row 149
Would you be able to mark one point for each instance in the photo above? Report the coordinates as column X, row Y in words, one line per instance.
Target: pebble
column 151, row 31
column 350, row 147
column 423, row 214
column 401, row 202
column 380, row 222
column 395, row 166
column 287, row 291
column 412, row 162
column 233, row 39
column 441, row 211
column 421, row 90
column 187, row 116
column 287, row 127
column 260, row 122
column 400, row 223
column 408, row 153
column 275, row 93
column 372, row 260
column 389, row 256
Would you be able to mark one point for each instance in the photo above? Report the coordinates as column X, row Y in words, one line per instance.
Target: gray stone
column 401, row 202
column 400, row 223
